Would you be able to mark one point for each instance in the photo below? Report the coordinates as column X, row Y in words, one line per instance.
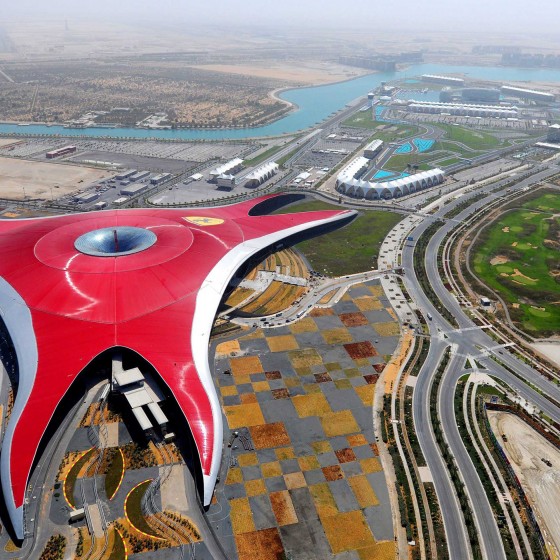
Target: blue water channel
column 314, row 105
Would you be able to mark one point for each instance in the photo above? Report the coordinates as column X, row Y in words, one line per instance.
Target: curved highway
column 467, row 340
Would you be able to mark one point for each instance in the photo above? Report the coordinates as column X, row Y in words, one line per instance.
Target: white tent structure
column 261, row 174
column 348, row 182
column 230, row 168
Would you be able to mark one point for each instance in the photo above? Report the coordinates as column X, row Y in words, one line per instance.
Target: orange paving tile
column 295, row 480
column 269, row 435
column 259, row 545
column 283, row 508
column 282, row 343
column 245, row 365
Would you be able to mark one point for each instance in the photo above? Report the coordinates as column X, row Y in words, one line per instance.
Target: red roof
column 82, row 305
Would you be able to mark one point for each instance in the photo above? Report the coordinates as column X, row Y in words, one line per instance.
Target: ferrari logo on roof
column 203, row 221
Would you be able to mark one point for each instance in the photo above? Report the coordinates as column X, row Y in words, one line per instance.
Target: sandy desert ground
column 7, row 141
column 38, row 178
column 525, row 449
column 312, row 73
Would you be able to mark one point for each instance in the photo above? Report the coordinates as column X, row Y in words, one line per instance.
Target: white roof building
column 348, row 184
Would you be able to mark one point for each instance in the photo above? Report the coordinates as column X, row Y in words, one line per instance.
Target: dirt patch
column 265, row 544
column 345, row 455
column 525, row 449
column 37, row 178
column 499, row 259
column 333, row 472
column 269, row 435
column 358, row 350
column 283, row 508
column 353, row 319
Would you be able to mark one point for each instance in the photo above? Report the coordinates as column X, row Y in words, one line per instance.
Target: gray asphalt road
column 467, row 343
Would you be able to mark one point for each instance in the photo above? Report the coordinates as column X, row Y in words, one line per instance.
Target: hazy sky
column 498, row 15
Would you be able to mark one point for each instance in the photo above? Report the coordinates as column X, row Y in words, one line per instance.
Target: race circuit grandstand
column 348, row 182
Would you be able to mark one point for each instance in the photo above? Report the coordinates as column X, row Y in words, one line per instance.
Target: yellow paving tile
column 387, row 329
column 247, row 460
column 228, row 390
column 259, row 386
column 376, row 290
column 292, row 381
column 271, row 469
column 241, row 516
column 307, row 324
column 342, row 384
column 311, row 405
column 306, row 357
column 323, row 499
column 255, row 487
column 226, row 348
column 308, row 463
column 337, row 336
column 240, row 415
column 368, row 303
column 321, row 447
column 365, row 392
column 282, row 343
column 370, row 465
column 356, row 440
column 384, row 550
column 311, row 388
column 347, row 531
column 361, row 362
column 234, row 476
column 339, row 423
column 363, row 491
column 285, row 453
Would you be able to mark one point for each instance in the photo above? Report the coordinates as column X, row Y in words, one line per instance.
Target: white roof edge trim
column 17, row 317
column 207, row 302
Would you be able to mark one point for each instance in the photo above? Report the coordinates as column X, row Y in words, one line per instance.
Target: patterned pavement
column 304, row 476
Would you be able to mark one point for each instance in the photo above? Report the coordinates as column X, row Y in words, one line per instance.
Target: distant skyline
column 469, row 15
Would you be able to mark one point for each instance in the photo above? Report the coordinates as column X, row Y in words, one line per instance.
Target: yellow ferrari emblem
column 203, row 221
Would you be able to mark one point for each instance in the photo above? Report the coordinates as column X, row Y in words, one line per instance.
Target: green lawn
column 114, row 474
column 363, row 119
column 118, row 552
column 351, row 249
column 133, row 509
column 448, row 162
column 474, row 139
column 72, row 476
column 260, row 158
column 527, row 242
column 398, row 162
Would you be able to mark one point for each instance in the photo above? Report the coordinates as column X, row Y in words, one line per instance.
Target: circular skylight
column 115, row 241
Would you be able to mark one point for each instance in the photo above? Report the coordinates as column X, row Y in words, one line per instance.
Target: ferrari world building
column 150, row 281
